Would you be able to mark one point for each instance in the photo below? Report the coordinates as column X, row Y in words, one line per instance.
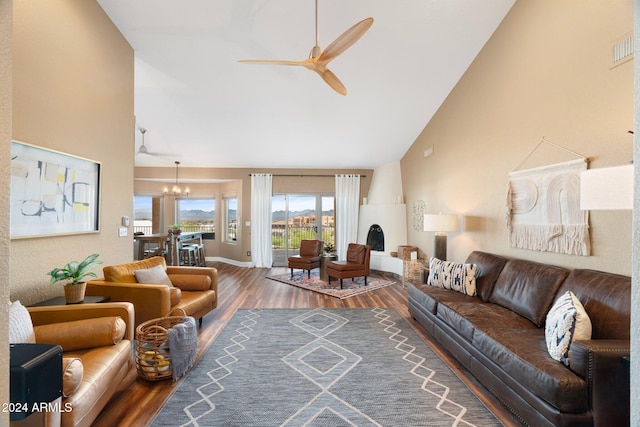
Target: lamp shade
column 607, row 188
column 440, row 222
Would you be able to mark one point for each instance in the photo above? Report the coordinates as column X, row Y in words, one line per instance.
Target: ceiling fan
column 143, row 148
column 319, row 59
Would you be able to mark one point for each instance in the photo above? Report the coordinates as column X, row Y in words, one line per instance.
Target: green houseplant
column 175, row 229
column 328, row 248
column 73, row 274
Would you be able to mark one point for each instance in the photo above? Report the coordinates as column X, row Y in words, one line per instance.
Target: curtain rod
column 311, row 175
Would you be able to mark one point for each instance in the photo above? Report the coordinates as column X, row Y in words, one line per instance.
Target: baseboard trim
column 230, row 261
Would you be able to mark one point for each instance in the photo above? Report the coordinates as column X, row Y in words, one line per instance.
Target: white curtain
column 261, row 251
column 347, row 205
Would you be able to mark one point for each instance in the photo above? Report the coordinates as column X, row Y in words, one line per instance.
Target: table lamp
column 440, row 224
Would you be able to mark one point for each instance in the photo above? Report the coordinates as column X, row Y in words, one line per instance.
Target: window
column 197, row 215
column 230, row 219
column 146, row 214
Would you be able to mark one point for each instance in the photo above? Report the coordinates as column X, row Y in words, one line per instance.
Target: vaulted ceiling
column 202, row 107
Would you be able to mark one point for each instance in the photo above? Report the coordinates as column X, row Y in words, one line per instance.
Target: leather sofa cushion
column 428, row 297
column 102, row 366
column 521, row 355
column 606, row 297
column 311, row 248
column 356, row 253
column 489, row 267
column 345, row 266
column 194, row 302
column 191, row 282
column 528, row 288
column 466, row 317
column 82, row 334
column 126, row 272
column 72, row 371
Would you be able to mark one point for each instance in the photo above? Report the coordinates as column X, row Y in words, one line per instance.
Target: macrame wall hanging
column 543, row 207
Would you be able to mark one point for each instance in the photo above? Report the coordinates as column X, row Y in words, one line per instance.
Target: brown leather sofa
column 355, row 265
column 101, row 336
column 308, row 258
column 499, row 336
column 193, row 291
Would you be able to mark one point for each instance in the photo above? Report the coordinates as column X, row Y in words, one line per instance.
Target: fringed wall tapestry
column 543, row 209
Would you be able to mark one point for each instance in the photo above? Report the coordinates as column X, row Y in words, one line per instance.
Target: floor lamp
column 440, row 224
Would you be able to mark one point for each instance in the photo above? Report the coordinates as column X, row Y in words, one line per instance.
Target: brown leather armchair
column 356, row 264
column 309, row 257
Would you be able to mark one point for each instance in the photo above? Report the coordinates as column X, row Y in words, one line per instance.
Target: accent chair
column 356, row 264
column 309, row 257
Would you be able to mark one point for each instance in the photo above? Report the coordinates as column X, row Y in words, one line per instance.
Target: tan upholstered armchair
column 309, row 257
column 356, row 264
column 157, row 290
column 96, row 341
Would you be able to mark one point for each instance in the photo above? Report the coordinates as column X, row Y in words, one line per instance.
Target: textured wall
column 6, row 23
column 73, row 92
column 546, row 72
column 635, row 297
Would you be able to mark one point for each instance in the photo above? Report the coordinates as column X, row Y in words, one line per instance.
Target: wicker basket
column 153, row 360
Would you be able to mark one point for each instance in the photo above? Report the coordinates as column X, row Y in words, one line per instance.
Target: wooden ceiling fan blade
column 345, row 40
column 304, row 63
column 333, row 81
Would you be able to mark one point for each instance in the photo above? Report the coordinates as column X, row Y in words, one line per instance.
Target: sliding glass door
column 296, row 218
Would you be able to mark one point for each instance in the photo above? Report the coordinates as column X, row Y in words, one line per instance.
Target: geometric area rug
column 318, row 368
column 350, row 287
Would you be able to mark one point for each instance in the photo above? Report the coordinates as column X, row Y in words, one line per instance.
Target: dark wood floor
column 138, row 401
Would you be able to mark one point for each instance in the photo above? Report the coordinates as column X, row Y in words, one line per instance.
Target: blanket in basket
column 183, row 344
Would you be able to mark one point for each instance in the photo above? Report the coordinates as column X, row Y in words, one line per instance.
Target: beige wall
column 6, row 25
column 544, row 73
column 73, row 92
column 635, row 285
column 239, row 184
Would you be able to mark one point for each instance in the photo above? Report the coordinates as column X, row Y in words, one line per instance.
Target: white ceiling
column 203, row 108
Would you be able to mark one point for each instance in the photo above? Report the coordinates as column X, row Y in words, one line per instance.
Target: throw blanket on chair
column 183, row 344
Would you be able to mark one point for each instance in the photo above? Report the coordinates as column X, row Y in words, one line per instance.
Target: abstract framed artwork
column 52, row 193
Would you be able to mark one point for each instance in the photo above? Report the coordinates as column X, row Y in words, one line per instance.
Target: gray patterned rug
column 321, row 367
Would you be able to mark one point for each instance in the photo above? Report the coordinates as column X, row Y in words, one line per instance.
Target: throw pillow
column 72, row 372
column 154, row 275
column 566, row 321
column 20, row 325
column 453, row 275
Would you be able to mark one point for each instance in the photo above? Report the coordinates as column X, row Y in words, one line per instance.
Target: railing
column 296, row 234
column 187, row 228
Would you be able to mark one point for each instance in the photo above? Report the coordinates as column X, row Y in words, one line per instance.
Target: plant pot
column 174, row 231
column 74, row 294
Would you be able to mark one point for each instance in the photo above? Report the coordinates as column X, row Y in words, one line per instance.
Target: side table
column 323, row 265
column 60, row 300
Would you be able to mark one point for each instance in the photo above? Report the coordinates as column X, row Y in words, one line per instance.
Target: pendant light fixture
column 176, row 190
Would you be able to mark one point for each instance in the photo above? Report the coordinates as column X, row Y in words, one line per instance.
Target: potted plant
column 328, row 248
column 175, row 229
column 74, row 273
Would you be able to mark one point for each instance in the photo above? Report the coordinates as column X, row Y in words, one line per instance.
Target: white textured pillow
column 566, row 321
column 453, row 275
column 20, row 325
column 154, row 275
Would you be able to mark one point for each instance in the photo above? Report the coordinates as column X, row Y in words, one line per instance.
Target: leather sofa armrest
column 601, row 364
column 66, row 313
column 150, row 301
column 206, row 271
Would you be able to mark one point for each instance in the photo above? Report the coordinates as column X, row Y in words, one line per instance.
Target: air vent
column 622, row 50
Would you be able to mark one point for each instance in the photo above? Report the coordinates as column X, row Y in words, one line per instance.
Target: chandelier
column 176, row 190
